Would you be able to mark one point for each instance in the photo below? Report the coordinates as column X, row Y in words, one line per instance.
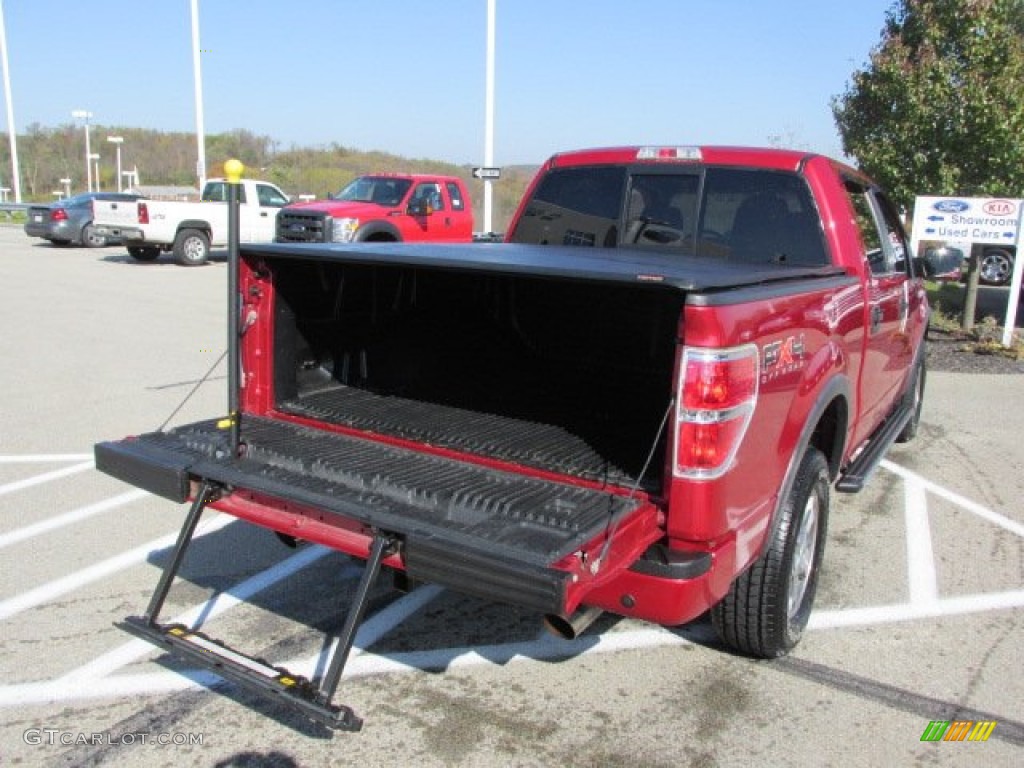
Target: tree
column 939, row 107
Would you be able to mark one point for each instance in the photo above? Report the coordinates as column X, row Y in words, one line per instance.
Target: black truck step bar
column 855, row 476
column 313, row 699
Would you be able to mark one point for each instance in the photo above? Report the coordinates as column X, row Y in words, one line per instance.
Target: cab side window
column 270, row 197
column 866, row 220
column 456, row 196
column 895, row 242
column 429, row 193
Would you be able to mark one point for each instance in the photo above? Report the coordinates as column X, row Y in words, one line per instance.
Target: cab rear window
column 732, row 214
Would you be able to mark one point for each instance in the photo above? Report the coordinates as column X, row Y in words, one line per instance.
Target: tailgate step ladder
column 313, row 699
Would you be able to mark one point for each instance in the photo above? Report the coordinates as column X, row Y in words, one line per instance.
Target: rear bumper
column 125, row 234
column 495, row 534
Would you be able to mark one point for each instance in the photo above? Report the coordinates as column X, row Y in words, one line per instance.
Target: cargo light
column 716, row 398
column 668, row 153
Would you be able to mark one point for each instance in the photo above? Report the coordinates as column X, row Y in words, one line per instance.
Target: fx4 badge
column 782, row 357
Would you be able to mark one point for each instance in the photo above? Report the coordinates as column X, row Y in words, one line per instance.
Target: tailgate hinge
column 314, row 699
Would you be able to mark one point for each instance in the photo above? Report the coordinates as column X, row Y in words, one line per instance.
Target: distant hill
column 47, row 155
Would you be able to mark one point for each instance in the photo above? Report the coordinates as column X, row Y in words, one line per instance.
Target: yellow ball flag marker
column 233, row 170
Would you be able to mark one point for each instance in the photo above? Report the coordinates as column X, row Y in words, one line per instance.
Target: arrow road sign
column 487, row 173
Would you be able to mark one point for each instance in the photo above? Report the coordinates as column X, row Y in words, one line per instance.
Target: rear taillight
column 143, row 213
column 716, row 398
column 58, row 214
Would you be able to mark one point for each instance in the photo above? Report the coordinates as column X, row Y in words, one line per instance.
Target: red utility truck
column 639, row 403
column 386, row 207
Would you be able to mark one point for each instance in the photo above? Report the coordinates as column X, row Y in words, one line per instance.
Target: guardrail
column 10, row 208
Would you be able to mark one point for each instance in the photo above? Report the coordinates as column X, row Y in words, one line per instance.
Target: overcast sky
column 407, row 76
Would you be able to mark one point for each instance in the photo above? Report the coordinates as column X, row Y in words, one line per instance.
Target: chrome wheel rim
column 194, row 249
column 803, row 555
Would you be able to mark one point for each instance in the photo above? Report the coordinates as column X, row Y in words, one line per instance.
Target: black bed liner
column 531, row 444
column 477, row 529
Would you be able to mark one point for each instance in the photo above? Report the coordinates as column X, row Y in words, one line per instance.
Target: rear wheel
column 143, row 253
column 768, row 606
column 191, row 248
column 90, row 239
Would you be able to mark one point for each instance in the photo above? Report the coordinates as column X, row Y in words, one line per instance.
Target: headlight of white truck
column 344, row 230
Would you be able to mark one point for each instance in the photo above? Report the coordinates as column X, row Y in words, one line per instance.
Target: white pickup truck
column 190, row 229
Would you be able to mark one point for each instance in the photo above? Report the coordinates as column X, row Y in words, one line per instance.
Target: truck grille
column 303, row 227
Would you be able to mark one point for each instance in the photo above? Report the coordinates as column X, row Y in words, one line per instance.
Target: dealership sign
column 961, row 222
column 981, row 220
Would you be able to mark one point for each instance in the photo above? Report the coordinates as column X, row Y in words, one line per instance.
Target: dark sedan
column 70, row 221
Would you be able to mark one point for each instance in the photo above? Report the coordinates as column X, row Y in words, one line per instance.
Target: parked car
column 70, row 220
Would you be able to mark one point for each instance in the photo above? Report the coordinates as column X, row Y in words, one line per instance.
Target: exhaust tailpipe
column 574, row 626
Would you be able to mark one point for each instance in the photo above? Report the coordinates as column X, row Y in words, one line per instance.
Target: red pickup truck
column 385, row 207
column 639, row 403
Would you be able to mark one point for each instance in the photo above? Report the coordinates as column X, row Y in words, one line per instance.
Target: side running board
column 854, row 477
column 314, row 699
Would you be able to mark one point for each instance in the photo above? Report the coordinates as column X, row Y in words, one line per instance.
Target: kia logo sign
column 951, row 206
column 999, row 208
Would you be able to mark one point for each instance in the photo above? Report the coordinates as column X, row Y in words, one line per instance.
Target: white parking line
column 544, row 648
column 888, row 614
column 68, row 518
column 45, row 458
column 961, row 501
column 193, row 618
column 45, row 478
column 95, row 679
column 73, row 581
column 920, row 559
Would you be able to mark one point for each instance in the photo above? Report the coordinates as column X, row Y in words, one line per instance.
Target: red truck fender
column 378, row 230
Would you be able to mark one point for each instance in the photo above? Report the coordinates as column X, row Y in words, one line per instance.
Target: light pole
column 85, row 115
column 198, row 76
column 96, row 159
column 117, row 141
column 12, row 134
column 489, row 115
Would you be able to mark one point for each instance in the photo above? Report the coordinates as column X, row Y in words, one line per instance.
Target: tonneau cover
column 620, row 265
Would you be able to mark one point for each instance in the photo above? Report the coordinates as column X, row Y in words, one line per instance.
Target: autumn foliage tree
column 939, row 107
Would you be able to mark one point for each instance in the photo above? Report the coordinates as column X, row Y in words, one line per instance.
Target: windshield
column 375, row 189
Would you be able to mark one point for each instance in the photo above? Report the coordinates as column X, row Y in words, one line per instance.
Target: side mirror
column 941, row 261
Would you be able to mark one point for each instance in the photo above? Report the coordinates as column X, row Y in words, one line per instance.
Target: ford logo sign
column 951, row 206
column 296, row 228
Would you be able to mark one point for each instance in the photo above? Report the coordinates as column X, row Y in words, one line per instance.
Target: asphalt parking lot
column 919, row 614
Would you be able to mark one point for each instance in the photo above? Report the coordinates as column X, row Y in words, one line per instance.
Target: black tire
column 995, row 266
column 191, row 248
column 915, row 399
column 144, row 253
column 768, row 606
column 90, row 239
